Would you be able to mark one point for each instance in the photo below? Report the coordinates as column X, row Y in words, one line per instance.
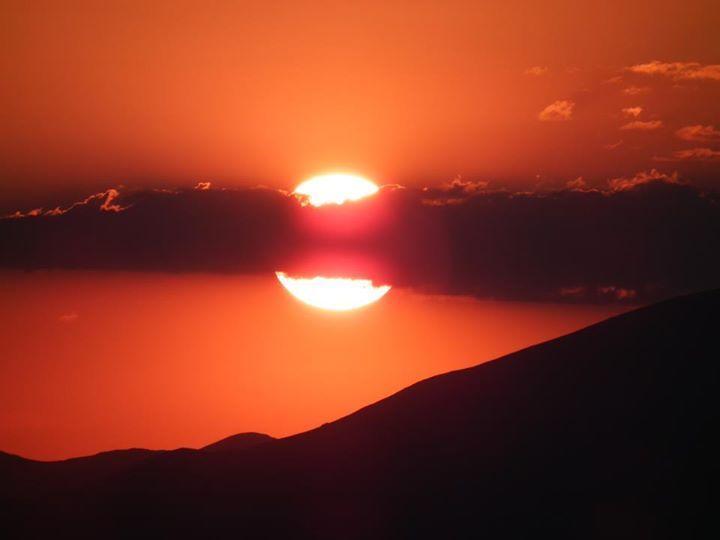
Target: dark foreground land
column 610, row 432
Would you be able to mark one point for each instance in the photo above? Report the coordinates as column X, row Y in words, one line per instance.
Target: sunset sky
column 540, row 167
column 245, row 93
column 96, row 361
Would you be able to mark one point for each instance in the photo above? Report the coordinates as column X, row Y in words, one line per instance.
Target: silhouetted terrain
column 609, row 432
column 241, row 441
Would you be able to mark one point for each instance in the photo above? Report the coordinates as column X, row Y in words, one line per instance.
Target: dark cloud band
column 640, row 240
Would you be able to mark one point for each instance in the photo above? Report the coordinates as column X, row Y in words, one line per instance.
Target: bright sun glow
column 336, row 188
column 336, row 294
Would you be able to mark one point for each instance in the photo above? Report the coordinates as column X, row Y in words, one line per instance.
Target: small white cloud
column 632, row 112
column 558, row 111
column 636, row 90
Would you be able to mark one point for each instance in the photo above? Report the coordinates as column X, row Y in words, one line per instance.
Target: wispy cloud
column 636, row 90
column 106, row 201
column 632, row 112
column 640, row 178
column 679, row 70
column 640, row 125
column 537, row 71
column 692, row 154
column 613, row 146
column 699, row 133
column 576, row 184
column 619, row 293
column 558, row 111
column 68, row 318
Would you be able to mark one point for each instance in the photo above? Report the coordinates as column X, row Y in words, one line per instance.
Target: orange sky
column 167, row 93
column 522, row 95
column 99, row 361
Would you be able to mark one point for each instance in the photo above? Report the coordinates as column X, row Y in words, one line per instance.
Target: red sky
column 167, row 93
column 99, row 361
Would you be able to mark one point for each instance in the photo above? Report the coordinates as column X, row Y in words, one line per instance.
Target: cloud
column 558, row 111
column 642, row 238
column 108, row 205
column 454, row 191
column 576, row 292
column 679, row 70
column 640, row 178
column 104, row 201
column 536, row 71
column 702, row 154
column 618, row 292
column 203, row 186
column 613, row 146
column 632, row 112
column 692, row 154
column 579, row 183
column 641, row 125
column 68, row 318
column 698, row 133
column 636, row 90
column 20, row 214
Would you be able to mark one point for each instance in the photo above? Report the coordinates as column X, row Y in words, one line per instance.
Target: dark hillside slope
column 241, row 441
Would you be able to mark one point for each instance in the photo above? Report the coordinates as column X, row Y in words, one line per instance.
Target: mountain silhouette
column 241, row 441
column 609, row 432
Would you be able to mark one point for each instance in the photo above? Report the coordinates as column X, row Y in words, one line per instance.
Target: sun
column 333, row 293
column 336, row 188
column 325, row 292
